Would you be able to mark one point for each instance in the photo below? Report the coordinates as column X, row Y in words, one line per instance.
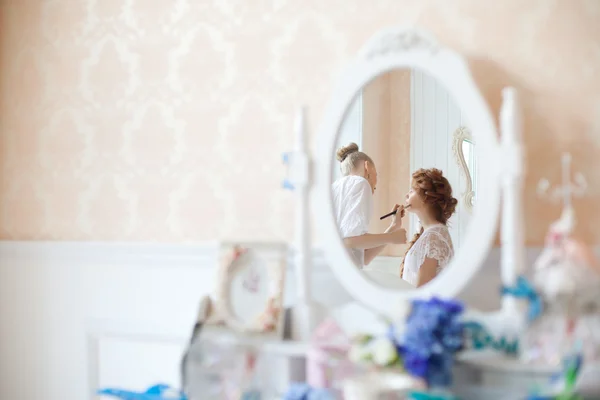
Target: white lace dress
column 435, row 242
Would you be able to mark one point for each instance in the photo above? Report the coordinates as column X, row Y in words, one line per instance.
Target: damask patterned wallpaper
column 164, row 120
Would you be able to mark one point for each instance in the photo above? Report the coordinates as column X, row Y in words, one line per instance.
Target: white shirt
column 353, row 207
column 435, row 242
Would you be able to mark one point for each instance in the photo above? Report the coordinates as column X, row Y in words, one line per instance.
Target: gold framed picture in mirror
column 463, row 147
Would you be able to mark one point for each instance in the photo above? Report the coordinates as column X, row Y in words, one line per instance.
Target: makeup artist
column 353, row 207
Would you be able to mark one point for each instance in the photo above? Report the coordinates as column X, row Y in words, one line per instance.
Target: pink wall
column 165, row 121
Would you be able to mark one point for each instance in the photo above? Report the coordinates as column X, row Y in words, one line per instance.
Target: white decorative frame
column 460, row 135
column 390, row 49
column 236, row 257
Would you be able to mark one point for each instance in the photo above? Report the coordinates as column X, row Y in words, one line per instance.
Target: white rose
column 359, row 353
column 383, row 351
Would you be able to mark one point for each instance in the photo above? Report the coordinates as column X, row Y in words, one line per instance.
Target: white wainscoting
column 78, row 316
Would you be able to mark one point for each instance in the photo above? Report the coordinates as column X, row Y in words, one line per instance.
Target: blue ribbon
column 524, row 290
column 155, row 392
column 482, row 339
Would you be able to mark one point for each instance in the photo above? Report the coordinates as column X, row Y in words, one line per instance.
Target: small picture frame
column 250, row 287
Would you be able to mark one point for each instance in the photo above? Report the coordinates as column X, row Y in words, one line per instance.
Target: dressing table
column 452, row 128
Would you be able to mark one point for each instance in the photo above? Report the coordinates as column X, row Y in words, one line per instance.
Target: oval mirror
column 388, row 140
column 402, row 122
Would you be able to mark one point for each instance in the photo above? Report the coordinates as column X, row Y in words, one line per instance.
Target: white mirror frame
column 389, row 49
column 460, row 135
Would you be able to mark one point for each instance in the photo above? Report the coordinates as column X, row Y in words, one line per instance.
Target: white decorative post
column 513, row 170
column 305, row 313
column 510, row 320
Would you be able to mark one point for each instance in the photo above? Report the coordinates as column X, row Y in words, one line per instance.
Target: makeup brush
column 402, row 208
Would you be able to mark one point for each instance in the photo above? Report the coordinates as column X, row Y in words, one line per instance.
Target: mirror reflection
column 397, row 153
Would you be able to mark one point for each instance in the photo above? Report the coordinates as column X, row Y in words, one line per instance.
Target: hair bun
column 450, row 207
column 345, row 151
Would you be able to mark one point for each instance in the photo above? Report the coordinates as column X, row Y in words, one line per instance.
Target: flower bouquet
column 378, row 352
column 424, row 346
column 432, row 336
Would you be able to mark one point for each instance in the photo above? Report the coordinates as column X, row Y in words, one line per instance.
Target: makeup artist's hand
column 398, row 236
column 396, row 222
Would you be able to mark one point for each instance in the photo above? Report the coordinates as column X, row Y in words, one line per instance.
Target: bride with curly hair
column 430, row 250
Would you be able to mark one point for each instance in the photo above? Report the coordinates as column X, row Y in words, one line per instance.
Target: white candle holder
column 565, row 192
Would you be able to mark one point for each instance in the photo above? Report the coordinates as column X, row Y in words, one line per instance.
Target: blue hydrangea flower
column 439, row 374
column 396, row 335
column 415, row 365
column 433, row 333
column 451, row 307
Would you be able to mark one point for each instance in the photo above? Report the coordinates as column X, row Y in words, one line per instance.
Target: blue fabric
column 524, row 290
column 152, row 393
column 482, row 339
